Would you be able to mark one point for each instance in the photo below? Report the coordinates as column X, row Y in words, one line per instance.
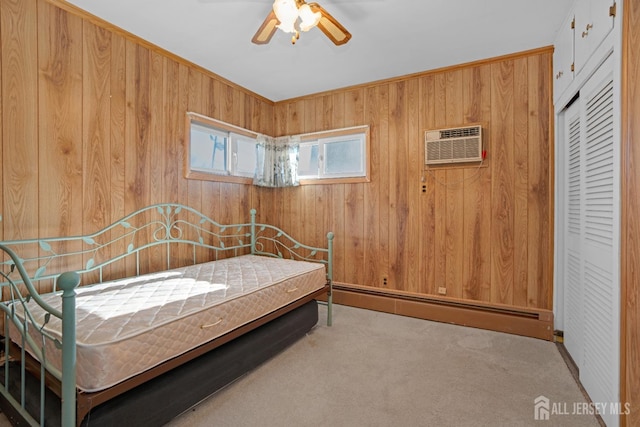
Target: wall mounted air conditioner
column 454, row 145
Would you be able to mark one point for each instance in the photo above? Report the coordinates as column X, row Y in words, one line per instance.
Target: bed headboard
column 157, row 237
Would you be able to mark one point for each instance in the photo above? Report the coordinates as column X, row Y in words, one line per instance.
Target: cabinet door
column 593, row 23
column 563, row 57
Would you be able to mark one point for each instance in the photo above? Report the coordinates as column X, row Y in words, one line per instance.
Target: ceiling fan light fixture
column 284, row 16
column 308, row 18
column 287, row 13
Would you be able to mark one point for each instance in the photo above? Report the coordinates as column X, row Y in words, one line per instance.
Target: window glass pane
column 208, row 149
column 344, row 157
column 308, row 160
column 245, row 156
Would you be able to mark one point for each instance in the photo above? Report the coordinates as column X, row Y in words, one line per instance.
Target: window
column 218, row 151
column 341, row 154
column 243, row 152
column 208, row 149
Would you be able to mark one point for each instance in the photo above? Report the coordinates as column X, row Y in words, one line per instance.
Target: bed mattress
column 127, row 326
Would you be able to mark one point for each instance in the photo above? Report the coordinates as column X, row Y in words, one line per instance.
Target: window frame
column 233, row 134
column 332, row 136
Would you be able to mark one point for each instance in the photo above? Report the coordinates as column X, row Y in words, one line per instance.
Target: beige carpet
column 377, row 369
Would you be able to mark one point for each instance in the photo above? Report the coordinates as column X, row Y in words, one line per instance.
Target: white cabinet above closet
column 563, row 56
column 594, row 20
column 583, row 30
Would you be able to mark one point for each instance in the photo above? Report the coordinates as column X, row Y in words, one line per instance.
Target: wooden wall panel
column 427, row 209
column 18, row 24
column 117, row 114
column 476, row 275
column 354, row 197
column 475, row 233
column 439, row 184
column 182, row 196
column 94, row 124
column 157, row 139
column 502, row 183
column 60, row 147
column 385, row 183
column 334, row 118
column 540, row 165
column 198, row 90
column 454, row 189
column 310, row 232
column 211, row 201
column 96, row 133
column 172, row 120
column 181, row 131
column 60, row 93
column 413, row 173
column 137, row 144
column 630, row 223
column 157, row 148
column 371, row 202
column 521, row 180
column 176, row 95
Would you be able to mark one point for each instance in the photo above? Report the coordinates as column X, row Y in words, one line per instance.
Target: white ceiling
column 390, row 38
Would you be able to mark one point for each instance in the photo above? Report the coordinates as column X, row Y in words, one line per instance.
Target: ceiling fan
column 284, row 15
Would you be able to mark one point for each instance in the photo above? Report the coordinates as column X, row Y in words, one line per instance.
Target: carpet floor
column 378, row 369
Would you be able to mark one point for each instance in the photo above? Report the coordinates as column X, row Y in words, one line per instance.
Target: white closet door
column 573, row 299
column 591, row 238
column 599, row 372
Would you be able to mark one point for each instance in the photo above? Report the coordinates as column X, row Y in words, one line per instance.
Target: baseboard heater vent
column 533, row 323
column 430, row 300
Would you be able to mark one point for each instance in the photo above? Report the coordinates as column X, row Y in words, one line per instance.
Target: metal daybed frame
column 175, row 234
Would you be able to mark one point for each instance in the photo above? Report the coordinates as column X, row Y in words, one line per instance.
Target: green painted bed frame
column 60, row 264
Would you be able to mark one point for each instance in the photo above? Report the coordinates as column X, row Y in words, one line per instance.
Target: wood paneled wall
column 630, row 236
column 482, row 233
column 93, row 127
column 93, row 124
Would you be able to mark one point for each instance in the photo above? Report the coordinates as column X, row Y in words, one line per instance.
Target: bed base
column 85, row 401
column 158, row 400
column 130, row 246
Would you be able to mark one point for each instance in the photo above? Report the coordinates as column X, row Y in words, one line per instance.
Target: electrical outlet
column 442, row 290
column 384, row 281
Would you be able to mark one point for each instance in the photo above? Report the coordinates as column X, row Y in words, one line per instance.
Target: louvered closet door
column 591, row 236
column 573, row 284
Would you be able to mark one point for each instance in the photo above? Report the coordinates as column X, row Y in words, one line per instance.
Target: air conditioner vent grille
column 459, row 132
column 455, row 145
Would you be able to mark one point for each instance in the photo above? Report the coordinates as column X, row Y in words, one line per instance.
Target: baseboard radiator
column 534, row 323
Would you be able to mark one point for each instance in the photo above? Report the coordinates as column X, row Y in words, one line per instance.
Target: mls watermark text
column 544, row 408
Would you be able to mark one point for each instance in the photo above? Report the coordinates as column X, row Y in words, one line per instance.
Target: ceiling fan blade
column 266, row 30
column 330, row 27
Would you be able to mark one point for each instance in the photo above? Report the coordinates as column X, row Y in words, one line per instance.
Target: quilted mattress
column 127, row 326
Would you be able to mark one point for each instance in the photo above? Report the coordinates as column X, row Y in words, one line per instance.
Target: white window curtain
column 277, row 161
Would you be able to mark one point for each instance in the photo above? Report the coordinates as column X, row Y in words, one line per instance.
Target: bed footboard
column 158, row 237
column 68, row 282
column 271, row 241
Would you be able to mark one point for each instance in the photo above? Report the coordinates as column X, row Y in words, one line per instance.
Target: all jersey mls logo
column 543, row 408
